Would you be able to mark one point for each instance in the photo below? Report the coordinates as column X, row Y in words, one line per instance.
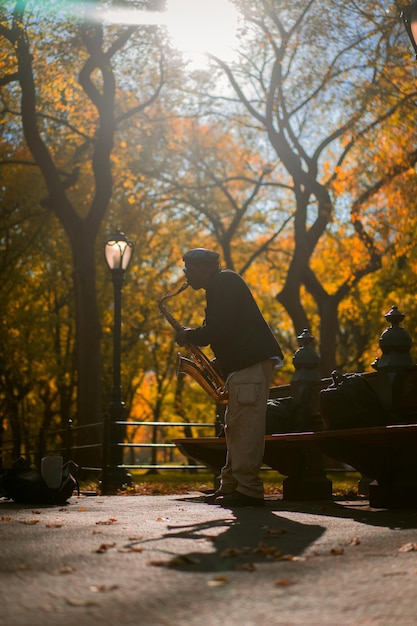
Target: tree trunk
column 88, row 349
column 329, row 325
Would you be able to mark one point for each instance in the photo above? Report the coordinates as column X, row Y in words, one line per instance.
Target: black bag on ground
column 351, row 402
column 25, row 485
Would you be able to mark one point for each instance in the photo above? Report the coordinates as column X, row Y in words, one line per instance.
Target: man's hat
column 200, row 255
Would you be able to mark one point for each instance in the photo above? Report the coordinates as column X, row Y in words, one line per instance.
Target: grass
column 167, row 482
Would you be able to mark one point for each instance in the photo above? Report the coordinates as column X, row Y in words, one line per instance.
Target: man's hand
column 181, row 337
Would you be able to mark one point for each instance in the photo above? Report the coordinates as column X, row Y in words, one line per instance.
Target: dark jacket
column 234, row 327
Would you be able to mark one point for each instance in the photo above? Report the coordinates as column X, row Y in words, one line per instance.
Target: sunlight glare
column 196, row 27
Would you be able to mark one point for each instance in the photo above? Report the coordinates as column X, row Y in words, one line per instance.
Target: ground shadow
column 357, row 509
column 244, row 536
column 239, row 538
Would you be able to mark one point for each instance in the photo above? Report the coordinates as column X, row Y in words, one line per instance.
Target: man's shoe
column 238, row 499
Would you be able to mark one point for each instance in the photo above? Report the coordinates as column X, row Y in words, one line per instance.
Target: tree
column 84, row 112
column 291, row 108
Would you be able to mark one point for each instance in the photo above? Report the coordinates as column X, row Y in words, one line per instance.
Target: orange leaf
column 218, row 581
column 283, row 582
column 104, row 547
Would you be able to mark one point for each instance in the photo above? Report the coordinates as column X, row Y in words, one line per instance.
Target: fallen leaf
column 66, row 569
column 131, row 549
column 111, row 520
column 291, row 557
column 230, row 552
column 275, row 532
column 36, row 512
column 53, row 525
column 102, row 588
column 29, row 522
column 104, row 547
column 355, row 541
column 4, row 518
column 408, row 547
column 246, row 567
column 218, row 581
column 267, row 550
column 284, row 582
column 274, row 555
column 337, row 551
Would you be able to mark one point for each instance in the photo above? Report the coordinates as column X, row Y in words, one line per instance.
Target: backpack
column 351, row 402
column 25, row 485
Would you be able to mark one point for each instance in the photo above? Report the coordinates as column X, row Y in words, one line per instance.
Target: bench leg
column 395, row 495
column 311, row 482
column 363, row 486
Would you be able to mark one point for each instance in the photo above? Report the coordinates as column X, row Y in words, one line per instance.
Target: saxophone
column 198, row 365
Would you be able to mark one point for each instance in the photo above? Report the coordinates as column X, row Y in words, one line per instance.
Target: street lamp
column 409, row 18
column 117, row 253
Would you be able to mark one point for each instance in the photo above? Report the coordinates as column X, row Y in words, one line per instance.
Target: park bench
column 386, row 456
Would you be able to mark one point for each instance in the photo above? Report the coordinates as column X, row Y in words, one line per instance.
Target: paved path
column 173, row 560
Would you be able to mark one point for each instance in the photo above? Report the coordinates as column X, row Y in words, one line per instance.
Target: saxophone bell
column 212, row 385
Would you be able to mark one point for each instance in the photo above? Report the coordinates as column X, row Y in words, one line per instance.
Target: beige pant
column 245, row 429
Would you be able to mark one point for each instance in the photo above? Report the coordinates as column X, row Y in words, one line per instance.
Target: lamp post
column 117, row 253
column 409, row 18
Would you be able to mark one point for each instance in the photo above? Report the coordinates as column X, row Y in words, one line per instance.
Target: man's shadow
column 239, row 538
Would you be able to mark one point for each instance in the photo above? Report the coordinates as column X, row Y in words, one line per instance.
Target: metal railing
column 63, row 442
column 165, row 445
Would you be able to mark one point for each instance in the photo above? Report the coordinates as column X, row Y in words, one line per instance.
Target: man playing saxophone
column 246, row 352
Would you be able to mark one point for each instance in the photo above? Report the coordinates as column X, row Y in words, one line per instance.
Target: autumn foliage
column 296, row 161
